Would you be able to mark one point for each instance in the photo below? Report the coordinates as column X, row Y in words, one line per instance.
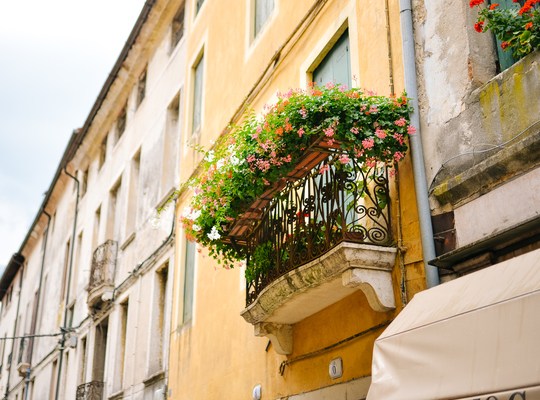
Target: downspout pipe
column 417, row 153
column 70, row 268
column 35, row 316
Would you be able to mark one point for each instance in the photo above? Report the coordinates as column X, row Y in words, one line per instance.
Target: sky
column 54, row 58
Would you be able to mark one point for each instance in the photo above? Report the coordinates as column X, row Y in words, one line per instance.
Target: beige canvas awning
column 473, row 337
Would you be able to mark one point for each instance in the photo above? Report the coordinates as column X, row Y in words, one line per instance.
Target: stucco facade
column 215, row 353
column 480, row 130
column 97, row 263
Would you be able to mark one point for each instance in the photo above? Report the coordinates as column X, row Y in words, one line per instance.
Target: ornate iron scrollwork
column 334, row 202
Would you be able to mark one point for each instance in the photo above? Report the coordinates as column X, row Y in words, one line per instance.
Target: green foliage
column 262, row 150
column 518, row 29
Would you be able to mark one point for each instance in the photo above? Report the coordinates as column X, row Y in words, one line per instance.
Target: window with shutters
column 504, row 58
column 262, row 11
column 336, row 65
column 189, row 281
column 197, row 95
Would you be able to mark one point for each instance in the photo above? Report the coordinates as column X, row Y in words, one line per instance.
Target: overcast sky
column 54, row 59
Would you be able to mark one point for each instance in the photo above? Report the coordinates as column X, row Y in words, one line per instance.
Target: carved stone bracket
column 376, row 285
column 280, row 335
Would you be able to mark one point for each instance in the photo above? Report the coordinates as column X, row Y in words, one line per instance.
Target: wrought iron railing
column 103, row 265
column 90, row 391
column 334, row 202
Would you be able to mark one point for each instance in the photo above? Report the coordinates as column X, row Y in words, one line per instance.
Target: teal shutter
column 189, row 274
column 336, row 66
column 505, row 57
column 197, row 95
column 263, row 9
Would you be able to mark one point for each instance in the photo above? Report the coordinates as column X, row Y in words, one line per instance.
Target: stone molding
column 312, row 287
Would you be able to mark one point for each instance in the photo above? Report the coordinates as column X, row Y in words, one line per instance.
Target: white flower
column 196, row 228
column 210, row 156
column 214, row 234
column 195, row 214
column 235, row 160
column 191, row 214
column 231, row 148
column 220, row 163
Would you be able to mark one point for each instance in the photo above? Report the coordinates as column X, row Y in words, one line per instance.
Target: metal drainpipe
column 14, row 334
column 419, row 172
column 34, row 323
column 63, row 329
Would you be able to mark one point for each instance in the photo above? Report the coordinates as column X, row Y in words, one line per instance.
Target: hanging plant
column 517, row 28
column 261, row 151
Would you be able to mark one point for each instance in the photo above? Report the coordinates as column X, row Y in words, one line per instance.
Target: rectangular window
column 177, row 26
column 505, row 58
column 336, row 65
column 102, row 152
column 82, row 366
column 84, row 182
column 97, row 223
column 52, row 385
column 113, row 211
column 121, row 123
column 141, row 88
column 133, row 194
column 198, row 5
column 189, row 275
column 263, row 9
column 197, row 96
column 121, row 349
column 76, row 266
column 158, row 321
column 170, row 146
column 67, row 251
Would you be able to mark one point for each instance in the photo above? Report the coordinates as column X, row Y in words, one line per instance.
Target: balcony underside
column 314, row 286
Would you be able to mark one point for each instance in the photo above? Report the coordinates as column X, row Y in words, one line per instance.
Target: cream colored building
column 92, row 279
column 309, row 333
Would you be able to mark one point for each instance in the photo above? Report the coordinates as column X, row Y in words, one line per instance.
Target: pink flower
column 368, row 143
column 355, row 130
column 401, row 122
column 371, row 163
column 330, row 85
column 373, row 109
column 301, row 131
column 399, row 138
column 411, row 130
column 324, row 169
column 398, row 155
column 303, row 112
column 380, row 133
column 344, row 159
column 329, row 131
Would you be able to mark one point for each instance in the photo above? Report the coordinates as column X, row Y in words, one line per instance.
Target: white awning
column 473, row 337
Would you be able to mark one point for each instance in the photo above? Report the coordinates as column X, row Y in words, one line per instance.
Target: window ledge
column 153, row 378
column 127, row 242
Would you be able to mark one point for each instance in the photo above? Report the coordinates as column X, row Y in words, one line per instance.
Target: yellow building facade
column 240, row 53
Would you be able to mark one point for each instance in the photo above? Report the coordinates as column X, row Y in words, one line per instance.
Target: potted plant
column 258, row 154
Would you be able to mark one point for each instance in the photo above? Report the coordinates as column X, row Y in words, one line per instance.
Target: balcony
column 101, row 283
column 90, row 391
column 322, row 234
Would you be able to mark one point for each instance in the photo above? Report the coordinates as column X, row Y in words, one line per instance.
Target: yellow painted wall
column 217, row 356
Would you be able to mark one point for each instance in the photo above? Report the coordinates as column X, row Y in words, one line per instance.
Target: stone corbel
column 376, row 285
column 280, row 335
